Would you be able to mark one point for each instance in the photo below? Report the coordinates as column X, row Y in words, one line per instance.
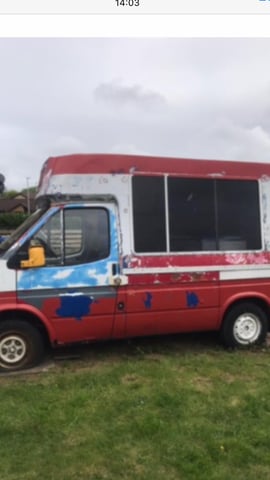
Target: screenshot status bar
column 137, row 7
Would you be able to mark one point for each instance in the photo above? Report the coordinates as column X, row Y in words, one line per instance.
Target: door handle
column 116, row 278
column 115, row 269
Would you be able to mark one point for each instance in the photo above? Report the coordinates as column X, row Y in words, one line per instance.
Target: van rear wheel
column 244, row 325
column 21, row 345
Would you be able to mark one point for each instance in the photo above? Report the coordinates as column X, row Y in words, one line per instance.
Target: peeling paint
column 127, row 261
column 265, row 178
column 264, row 207
column 217, row 175
column 236, row 258
column 117, row 172
column 192, row 299
column 75, row 305
column 145, row 269
column 148, row 300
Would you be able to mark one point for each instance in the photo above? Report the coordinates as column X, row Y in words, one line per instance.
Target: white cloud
column 122, row 95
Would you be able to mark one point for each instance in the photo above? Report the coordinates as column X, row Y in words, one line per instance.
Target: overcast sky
column 201, row 98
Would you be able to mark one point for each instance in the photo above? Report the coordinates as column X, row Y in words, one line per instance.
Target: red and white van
column 123, row 246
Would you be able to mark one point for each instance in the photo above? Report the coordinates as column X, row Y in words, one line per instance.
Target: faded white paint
column 265, row 211
column 244, row 273
column 215, row 268
column 118, row 186
column 7, row 278
column 63, row 273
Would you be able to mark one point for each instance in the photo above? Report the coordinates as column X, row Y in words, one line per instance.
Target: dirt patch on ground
column 202, row 384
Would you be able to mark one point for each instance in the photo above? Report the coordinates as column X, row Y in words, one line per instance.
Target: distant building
column 17, row 204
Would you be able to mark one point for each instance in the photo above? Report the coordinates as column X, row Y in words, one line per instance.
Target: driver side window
column 50, row 238
column 74, row 236
column 70, row 237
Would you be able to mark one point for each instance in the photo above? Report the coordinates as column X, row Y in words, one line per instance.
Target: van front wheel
column 244, row 325
column 21, row 345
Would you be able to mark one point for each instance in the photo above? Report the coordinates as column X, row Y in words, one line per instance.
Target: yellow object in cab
column 36, row 257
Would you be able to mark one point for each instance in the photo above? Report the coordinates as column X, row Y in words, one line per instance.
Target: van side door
column 74, row 289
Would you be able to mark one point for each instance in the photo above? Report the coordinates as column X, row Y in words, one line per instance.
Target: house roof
column 11, row 204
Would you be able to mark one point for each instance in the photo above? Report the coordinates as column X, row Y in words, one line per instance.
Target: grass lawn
column 154, row 409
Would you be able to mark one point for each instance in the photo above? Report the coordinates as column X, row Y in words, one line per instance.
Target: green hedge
column 12, row 220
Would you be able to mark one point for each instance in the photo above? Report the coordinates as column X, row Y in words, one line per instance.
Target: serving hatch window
column 195, row 214
column 149, row 214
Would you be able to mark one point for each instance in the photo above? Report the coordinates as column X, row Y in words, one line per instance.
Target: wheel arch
column 259, row 300
column 34, row 318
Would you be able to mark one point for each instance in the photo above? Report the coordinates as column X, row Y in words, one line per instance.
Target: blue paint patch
column 192, row 299
column 148, row 300
column 65, row 277
column 76, row 306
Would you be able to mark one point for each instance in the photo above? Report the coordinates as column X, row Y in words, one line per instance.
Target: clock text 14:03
column 127, row 3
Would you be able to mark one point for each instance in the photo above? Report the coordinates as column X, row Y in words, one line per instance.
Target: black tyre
column 244, row 325
column 21, row 345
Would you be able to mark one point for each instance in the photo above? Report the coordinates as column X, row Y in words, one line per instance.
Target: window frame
column 64, row 257
column 166, row 201
column 164, row 252
column 60, row 262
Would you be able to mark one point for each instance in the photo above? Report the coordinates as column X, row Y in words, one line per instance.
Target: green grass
column 157, row 409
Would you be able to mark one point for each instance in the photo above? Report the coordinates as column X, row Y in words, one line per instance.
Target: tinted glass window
column 149, row 214
column 191, row 214
column 93, row 233
column 203, row 214
column 238, row 215
column 50, row 237
column 74, row 232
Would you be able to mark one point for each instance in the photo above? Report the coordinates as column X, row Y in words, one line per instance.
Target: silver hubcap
column 247, row 328
column 12, row 349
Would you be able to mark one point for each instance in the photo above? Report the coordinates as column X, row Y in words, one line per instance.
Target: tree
column 31, row 190
column 10, row 193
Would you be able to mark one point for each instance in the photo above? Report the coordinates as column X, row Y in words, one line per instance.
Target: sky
column 180, row 97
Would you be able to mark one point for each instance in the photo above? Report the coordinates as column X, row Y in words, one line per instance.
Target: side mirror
column 36, row 257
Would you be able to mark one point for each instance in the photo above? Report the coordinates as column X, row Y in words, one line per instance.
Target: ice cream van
column 123, row 246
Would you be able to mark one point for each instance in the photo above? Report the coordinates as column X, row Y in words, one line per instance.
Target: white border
column 237, row 272
column 137, row 26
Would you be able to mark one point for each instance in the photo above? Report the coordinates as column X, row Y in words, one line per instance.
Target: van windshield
column 14, row 237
